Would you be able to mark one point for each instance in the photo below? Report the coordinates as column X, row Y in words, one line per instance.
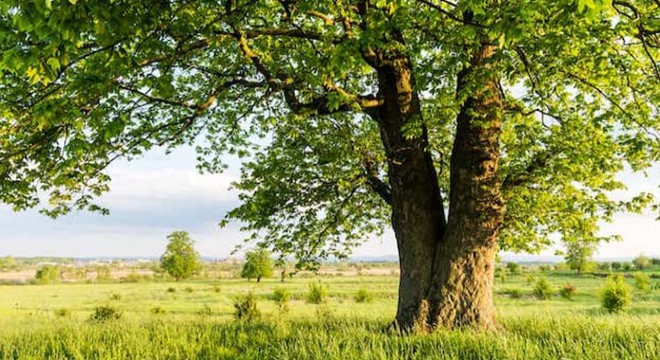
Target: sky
column 157, row 194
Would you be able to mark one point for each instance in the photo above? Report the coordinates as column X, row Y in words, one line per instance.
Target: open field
column 195, row 319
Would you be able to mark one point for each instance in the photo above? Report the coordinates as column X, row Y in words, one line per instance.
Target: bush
column 545, row 268
column 158, row 310
column 246, row 308
column 616, row 265
column 105, row 313
column 561, row 266
column 627, row 266
column 48, row 274
column 171, row 290
column 515, row 293
column 317, row 293
column 188, row 289
column 542, row 289
column 500, row 274
column 642, row 281
column 282, row 296
column 513, row 267
column 615, row 295
column 568, row 291
column 62, row 312
column 604, row 266
column 115, row 297
column 216, row 289
column 205, row 311
column 655, row 261
column 363, row 296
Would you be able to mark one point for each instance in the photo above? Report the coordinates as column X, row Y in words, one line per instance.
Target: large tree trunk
column 446, row 266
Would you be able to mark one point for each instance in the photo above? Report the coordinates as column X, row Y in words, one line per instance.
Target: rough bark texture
column 446, row 266
column 417, row 211
column 462, row 291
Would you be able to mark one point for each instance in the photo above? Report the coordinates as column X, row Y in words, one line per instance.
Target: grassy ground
column 52, row 321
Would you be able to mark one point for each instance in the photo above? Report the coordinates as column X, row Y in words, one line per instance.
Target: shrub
column 246, row 308
column 515, row 293
column 542, row 289
column 157, row 310
column 105, row 313
column 171, row 290
column 205, row 311
column 363, row 296
column 513, row 267
column 655, row 261
column 545, row 268
column 317, row 293
column 615, row 295
column 616, row 265
column 216, row 289
column 568, row 291
column 48, row 274
column 282, row 297
column 642, row 281
column 530, row 279
column 188, row 289
column 604, row 266
column 627, row 266
column 62, row 312
column 561, row 266
column 115, row 297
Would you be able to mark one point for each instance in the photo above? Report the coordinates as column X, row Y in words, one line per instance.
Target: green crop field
column 195, row 320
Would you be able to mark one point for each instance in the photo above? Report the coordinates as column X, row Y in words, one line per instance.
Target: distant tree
column 655, row 261
column 604, row 266
column 627, row 266
column 513, row 267
column 578, row 255
column 616, row 265
column 7, row 262
column 48, row 274
column 180, row 259
column 258, row 264
column 642, row 262
column 283, row 266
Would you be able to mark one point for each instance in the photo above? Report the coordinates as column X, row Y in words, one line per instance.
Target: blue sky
column 160, row 193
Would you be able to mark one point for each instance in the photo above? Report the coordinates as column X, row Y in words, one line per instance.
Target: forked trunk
column 446, row 266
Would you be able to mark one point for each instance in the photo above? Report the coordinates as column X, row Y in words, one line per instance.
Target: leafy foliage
column 568, row 291
column 317, row 293
column 289, row 88
column 258, row 264
column 48, row 274
column 246, row 308
column 542, row 289
column 642, row 281
column 180, row 259
column 615, row 295
column 105, row 313
column 363, row 296
column 642, row 262
column 578, row 255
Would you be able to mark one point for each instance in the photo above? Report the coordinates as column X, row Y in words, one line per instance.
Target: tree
column 578, row 255
column 642, row 262
column 180, row 259
column 48, row 274
column 258, row 264
column 468, row 126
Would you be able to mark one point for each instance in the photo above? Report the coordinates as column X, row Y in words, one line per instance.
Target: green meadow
column 196, row 320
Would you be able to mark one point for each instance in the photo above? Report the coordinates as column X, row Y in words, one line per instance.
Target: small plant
column 642, row 281
column 616, row 265
column 530, row 279
column 515, row 293
column 363, row 296
column 188, row 289
column 246, row 308
column 317, row 293
column 115, row 297
column 157, row 310
column 205, row 311
column 282, row 297
column 216, row 289
column 545, row 268
column 542, row 289
column 615, row 295
column 105, row 313
column 171, row 290
column 62, row 312
column 568, row 291
column 500, row 274
column 627, row 266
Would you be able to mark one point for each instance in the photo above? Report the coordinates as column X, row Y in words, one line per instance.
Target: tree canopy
column 258, row 264
column 523, row 112
column 180, row 259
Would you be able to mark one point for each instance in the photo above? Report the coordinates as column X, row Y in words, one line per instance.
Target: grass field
column 195, row 320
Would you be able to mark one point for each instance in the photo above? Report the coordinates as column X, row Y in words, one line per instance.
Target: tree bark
column 418, row 217
column 447, row 266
